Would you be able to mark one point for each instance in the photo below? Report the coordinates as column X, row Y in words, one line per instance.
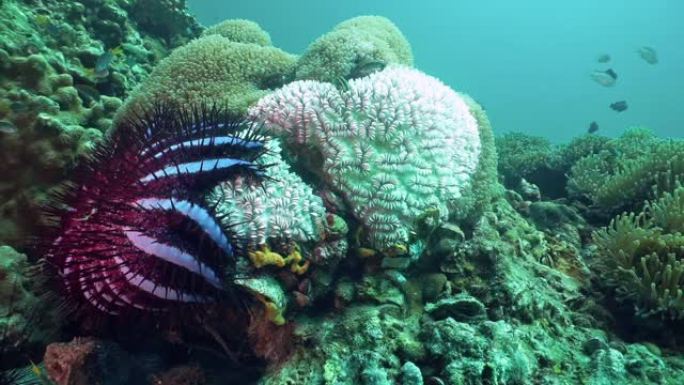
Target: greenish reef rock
column 56, row 101
column 168, row 20
column 364, row 345
column 26, row 319
column 502, row 317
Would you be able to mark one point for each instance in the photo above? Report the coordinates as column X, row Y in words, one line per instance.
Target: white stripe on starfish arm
column 116, row 289
column 89, row 291
column 196, row 167
column 173, row 255
column 193, row 211
column 155, row 289
column 210, row 142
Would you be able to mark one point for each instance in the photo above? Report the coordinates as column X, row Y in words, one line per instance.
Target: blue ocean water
column 528, row 62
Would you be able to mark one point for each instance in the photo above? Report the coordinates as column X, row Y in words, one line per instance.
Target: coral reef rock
column 65, row 67
column 379, row 248
column 87, row 361
column 21, row 324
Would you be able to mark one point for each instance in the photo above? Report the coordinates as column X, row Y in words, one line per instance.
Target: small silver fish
column 593, row 127
column 367, row 67
column 649, row 54
column 18, row 107
column 87, row 93
column 103, row 61
column 7, row 127
column 31, row 49
column 603, row 58
column 619, row 106
column 605, row 78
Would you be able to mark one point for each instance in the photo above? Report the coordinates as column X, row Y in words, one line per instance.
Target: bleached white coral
column 393, row 144
column 282, row 208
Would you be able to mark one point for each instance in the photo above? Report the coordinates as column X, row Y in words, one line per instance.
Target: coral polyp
column 394, row 145
column 132, row 233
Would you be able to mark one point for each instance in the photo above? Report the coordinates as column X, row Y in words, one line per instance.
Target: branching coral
column 394, row 145
column 352, row 47
column 641, row 256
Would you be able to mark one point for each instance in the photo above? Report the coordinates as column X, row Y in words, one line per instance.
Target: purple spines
column 135, row 235
column 185, row 151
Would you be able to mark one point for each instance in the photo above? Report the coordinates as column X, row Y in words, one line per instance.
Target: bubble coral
column 395, row 144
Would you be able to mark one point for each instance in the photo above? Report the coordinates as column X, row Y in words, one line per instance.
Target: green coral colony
column 393, row 239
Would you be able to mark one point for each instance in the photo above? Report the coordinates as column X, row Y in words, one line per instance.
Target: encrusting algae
column 267, row 257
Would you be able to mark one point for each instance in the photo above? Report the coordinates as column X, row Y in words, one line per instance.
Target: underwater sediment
column 223, row 212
